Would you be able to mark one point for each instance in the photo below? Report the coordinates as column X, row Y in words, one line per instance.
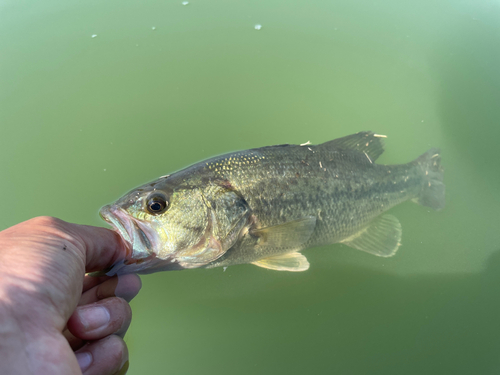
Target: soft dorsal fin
column 382, row 237
column 365, row 142
column 293, row 262
column 290, row 235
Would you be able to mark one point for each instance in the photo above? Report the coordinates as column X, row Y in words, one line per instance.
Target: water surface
column 85, row 119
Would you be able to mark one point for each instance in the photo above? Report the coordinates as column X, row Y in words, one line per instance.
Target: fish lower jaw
column 140, row 238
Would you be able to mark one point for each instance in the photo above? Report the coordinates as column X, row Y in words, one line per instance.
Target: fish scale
column 264, row 205
column 344, row 198
column 350, row 186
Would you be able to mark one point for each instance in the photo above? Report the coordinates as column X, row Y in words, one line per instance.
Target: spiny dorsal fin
column 381, row 237
column 290, row 235
column 365, row 142
column 293, row 262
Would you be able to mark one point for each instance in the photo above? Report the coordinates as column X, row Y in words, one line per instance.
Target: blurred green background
column 85, row 119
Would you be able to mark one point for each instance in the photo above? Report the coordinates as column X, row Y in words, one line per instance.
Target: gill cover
column 227, row 215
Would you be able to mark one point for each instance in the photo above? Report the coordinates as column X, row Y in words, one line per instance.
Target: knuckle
column 57, row 228
column 47, row 221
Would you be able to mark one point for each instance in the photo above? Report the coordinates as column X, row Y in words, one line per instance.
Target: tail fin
column 432, row 193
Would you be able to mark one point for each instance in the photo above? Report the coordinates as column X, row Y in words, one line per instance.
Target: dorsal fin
column 367, row 142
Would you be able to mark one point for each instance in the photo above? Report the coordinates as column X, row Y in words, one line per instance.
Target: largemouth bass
column 263, row 206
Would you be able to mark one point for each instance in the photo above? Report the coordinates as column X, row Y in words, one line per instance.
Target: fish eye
column 157, row 203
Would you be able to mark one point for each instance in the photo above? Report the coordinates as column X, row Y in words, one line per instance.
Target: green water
column 83, row 120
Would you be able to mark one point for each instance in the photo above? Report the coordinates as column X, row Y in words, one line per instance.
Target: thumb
column 102, row 247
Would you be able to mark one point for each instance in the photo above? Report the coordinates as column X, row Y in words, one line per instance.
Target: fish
column 264, row 206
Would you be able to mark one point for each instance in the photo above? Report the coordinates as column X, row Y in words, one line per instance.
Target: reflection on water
column 337, row 319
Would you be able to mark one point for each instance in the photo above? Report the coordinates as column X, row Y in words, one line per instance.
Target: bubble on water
column 153, row 28
column 94, row 35
column 185, row 2
column 258, row 27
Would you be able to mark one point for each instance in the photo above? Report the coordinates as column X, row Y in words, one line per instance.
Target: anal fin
column 382, row 237
column 294, row 262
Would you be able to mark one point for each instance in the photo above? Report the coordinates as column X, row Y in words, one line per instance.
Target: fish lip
column 140, row 237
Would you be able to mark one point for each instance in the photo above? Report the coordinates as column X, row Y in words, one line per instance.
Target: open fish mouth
column 142, row 239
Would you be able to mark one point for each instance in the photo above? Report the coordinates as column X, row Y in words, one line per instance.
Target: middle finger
column 100, row 319
column 124, row 286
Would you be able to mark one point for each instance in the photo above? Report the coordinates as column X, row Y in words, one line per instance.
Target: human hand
column 54, row 319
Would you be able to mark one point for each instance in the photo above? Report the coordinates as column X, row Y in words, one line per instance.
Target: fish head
column 168, row 226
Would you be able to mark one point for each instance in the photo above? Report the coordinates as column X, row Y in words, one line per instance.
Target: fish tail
column 433, row 189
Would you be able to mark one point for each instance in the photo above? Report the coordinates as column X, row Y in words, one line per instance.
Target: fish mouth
column 141, row 238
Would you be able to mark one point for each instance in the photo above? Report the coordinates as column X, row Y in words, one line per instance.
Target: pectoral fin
column 294, row 262
column 290, row 235
column 381, row 237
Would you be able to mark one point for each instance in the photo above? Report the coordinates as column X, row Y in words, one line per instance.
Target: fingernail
column 84, row 360
column 93, row 317
column 123, row 370
column 128, row 286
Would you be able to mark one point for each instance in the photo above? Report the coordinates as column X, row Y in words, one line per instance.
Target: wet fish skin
column 264, row 205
